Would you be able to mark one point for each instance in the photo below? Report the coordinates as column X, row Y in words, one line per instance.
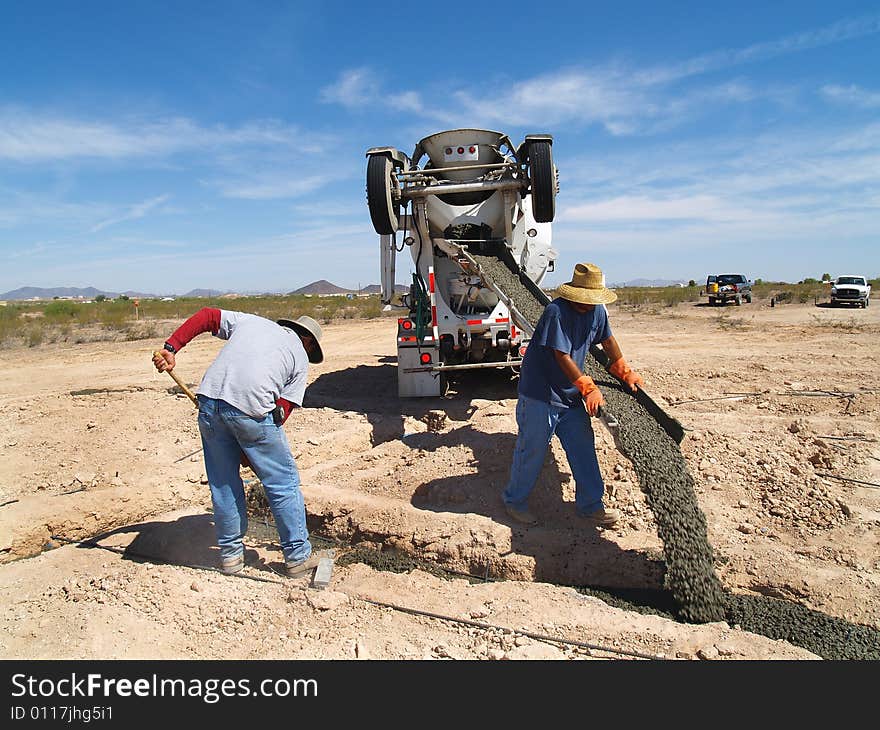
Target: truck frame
column 477, row 200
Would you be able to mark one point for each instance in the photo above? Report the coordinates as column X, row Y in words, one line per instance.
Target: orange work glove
column 620, row 369
column 590, row 392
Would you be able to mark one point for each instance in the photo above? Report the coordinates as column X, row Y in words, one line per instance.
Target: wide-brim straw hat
column 587, row 286
column 305, row 325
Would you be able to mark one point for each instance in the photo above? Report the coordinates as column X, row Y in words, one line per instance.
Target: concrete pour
column 669, row 488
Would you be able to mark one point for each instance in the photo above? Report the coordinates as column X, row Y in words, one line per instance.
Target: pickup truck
column 850, row 290
column 723, row 288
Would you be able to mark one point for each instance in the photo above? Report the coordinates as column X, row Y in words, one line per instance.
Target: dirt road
column 94, row 442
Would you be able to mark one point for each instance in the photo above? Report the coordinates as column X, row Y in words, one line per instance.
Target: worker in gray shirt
column 245, row 397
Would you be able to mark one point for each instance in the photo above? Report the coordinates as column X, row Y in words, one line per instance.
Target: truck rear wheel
column 384, row 210
column 543, row 177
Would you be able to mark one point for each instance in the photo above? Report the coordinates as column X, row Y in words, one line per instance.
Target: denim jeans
column 226, row 432
column 537, row 422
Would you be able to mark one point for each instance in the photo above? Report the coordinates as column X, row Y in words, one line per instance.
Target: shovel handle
column 182, row 385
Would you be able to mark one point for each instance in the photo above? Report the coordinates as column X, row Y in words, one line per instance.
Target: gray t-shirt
column 261, row 361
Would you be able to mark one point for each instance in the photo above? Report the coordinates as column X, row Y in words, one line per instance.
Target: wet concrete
column 669, row 489
column 662, row 472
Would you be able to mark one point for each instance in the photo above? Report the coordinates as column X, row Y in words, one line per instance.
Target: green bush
column 61, row 309
column 108, row 320
column 669, row 296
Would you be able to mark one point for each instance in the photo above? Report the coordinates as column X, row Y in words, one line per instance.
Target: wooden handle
column 189, row 393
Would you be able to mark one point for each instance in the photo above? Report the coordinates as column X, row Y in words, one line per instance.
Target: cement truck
column 476, row 218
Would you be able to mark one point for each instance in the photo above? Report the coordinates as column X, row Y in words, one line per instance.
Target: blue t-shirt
column 561, row 327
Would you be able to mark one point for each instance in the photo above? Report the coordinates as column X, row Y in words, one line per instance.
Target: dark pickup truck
column 723, row 288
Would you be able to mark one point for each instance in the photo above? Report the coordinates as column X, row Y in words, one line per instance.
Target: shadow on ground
column 565, row 549
column 371, row 390
column 188, row 541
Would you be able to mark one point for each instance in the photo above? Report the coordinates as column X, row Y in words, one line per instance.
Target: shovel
column 180, row 382
column 613, row 427
column 192, row 396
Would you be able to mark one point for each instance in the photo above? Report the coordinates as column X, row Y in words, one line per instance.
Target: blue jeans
column 226, row 433
column 537, row 422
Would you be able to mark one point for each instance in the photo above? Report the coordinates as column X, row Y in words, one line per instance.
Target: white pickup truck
column 850, row 290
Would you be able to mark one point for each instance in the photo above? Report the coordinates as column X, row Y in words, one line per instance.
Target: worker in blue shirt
column 555, row 396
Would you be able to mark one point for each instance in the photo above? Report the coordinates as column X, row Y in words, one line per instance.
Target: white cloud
column 270, row 186
column 622, row 99
column 355, row 87
column 838, row 32
column 408, row 101
column 132, row 213
column 21, row 210
column 853, row 95
column 642, row 208
column 29, row 137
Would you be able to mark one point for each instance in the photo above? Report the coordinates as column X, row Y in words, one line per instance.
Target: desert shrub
column 783, row 297
column 37, row 322
column 9, row 322
column 669, row 296
column 61, row 309
column 34, row 335
column 141, row 331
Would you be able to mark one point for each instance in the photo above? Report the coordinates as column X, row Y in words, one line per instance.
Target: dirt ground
column 94, row 442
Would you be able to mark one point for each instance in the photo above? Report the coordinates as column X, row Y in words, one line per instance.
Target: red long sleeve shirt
column 207, row 319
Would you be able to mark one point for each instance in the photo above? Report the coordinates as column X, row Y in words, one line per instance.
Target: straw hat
column 305, row 325
column 587, row 286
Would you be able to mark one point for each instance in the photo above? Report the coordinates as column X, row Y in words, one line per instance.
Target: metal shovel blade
column 613, row 427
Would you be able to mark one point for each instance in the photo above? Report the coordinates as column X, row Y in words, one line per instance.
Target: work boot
column 232, row 565
column 523, row 516
column 602, row 517
column 299, row 569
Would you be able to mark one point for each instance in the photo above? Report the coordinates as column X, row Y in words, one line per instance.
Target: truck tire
column 748, row 298
column 712, row 301
column 543, row 177
column 384, row 211
column 738, row 300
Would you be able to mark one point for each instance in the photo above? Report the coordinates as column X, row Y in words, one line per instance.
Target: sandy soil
column 94, row 442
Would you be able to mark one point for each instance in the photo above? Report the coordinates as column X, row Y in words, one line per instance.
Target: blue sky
column 161, row 147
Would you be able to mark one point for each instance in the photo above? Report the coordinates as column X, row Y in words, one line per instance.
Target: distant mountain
column 316, row 287
column 648, row 282
column 321, row 287
column 205, row 293
column 88, row 292
column 36, row 292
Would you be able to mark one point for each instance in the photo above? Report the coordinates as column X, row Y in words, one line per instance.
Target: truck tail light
column 425, row 357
